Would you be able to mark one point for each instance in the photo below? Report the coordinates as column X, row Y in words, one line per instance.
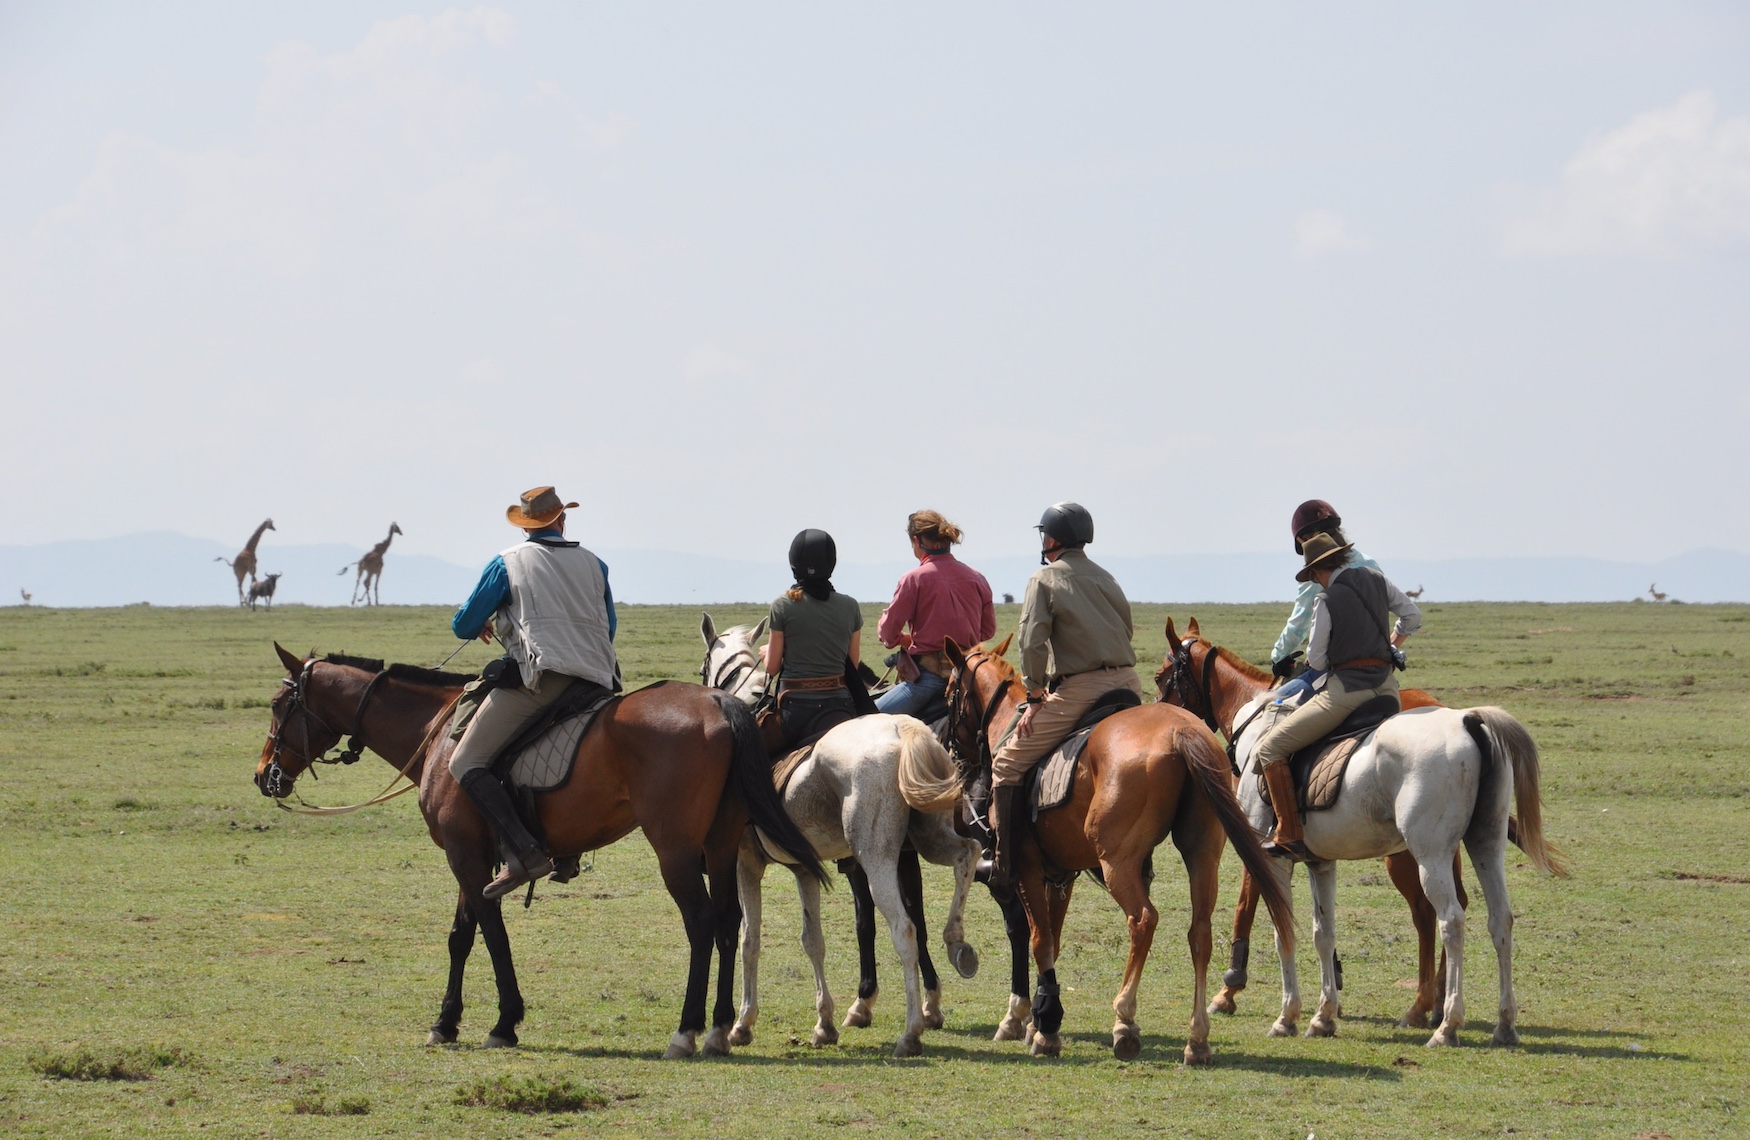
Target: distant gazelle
column 1654, row 591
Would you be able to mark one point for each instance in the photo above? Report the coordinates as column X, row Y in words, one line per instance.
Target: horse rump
column 752, row 767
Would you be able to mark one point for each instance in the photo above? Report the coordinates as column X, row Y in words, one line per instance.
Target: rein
column 962, row 694
column 1182, row 680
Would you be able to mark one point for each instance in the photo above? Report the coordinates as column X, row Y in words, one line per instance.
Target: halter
column 300, row 704
column 964, row 690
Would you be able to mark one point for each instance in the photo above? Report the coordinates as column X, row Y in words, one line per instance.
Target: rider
column 1315, row 516
column 940, row 599
column 1075, row 648
column 554, row 614
column 1349, row 645
column 814, row 629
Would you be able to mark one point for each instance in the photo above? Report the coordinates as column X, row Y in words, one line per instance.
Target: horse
column 1426, row 780
column 732, row 663
column 682, row 763
column 1146, row 772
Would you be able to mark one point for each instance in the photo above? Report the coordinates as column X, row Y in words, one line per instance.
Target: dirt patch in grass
column 315, row 1104
column 533, row 1095
column 1696, row 877
column 116, row 1065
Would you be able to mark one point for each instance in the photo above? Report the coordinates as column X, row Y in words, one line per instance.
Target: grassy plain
column 275, row 975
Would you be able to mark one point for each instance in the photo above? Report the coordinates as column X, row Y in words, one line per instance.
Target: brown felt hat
column 1323, row 552
column 540, row 507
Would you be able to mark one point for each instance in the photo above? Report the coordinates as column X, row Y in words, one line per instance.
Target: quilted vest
column 557, row 617
column 1356, row 602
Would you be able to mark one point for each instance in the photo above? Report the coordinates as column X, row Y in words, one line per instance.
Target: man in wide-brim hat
column 1351, row 647
column 548, row 601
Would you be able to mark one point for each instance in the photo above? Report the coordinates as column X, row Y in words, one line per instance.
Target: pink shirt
column 943, row 597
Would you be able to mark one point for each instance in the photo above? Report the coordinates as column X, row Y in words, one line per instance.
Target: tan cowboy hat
column 539, row 508
column 1322, row 552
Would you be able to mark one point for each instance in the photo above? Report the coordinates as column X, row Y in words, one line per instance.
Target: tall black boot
column 1008, row 808
column 524, row 857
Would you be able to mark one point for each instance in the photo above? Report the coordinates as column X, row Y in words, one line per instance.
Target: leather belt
column 813, row 684
column 936, row 663
column 1362, row 663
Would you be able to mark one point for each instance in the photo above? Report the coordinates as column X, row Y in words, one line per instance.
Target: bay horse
column 1146, row 772
column 732, row 663
column 684, row 764
column 1426, row 780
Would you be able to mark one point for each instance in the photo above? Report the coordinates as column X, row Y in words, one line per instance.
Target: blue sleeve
column 492, row 591
column 608, row 596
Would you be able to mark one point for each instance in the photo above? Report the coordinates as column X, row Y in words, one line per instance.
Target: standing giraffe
column 244, row 563
column 370, row 570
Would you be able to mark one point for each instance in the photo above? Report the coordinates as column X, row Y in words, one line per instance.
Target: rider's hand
column 486, row 634
column 1024, row 728
column 1285, row 667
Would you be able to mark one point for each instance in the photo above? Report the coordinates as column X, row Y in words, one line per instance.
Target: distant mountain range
column 169, row 569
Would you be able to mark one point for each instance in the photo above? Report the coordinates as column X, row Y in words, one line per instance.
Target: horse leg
column 1046, row 908
column 1442, row 892
column 862, row 1011
column 884, row 889
column 1015, row 1023
column 1324, row 895
column 1200, row 847
column 1489, row 860
column 449, row 1020
column 911, row 890
column 750, row 874
column 1125, row 882
column 1245, row 913
column 935, row 839
column 722, row 848
column 1286, row 1022
column 814, row 945
column 682, row 874
column 1407, row 878
column 510, row 998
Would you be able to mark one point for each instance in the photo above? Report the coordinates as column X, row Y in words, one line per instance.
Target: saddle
column 540, row 757
column 1318, row 768
column 1054, row 777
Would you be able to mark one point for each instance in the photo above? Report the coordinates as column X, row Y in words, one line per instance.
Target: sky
column 1476, row 273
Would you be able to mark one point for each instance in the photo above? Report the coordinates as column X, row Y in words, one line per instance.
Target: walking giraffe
column 370, row 570
column 244, row 563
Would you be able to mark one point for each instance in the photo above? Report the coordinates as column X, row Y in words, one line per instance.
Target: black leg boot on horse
column 1290, row 839
column 525, row 859
column 1008, row 808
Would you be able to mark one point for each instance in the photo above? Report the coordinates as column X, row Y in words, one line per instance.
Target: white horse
column 869, row 785
column 1426, row 780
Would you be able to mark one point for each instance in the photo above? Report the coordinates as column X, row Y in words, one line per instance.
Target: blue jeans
column 910, row 696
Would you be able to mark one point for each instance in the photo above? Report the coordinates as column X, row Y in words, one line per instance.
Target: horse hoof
column 716, row 1043
column 1282, row 1029
column 1443, row 1039
column 741, row 1035
column 494, row 1041
column 860, row 1014
column 1011, row 1029
column 1126, row 1043
column 680, row 1046
column 933, row 1009
column 964, row 959
column 908, row 1046
column 824, row 1034
column 1047, row 1045
column 1197, row 1053
column 1321, row 1026
column 439, row 1037
column 1504, row 1035
column 1414, row 1019
column 1223, row 1003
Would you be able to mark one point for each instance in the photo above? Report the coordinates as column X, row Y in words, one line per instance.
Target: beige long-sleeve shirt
column 1074, row 618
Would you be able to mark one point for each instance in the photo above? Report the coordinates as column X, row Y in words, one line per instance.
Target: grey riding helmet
column 1069, row 523
column 813, row 556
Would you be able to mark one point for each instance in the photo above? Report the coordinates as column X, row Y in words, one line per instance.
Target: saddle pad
column 1056, row 774
column 546, row 763
column 1318, row 771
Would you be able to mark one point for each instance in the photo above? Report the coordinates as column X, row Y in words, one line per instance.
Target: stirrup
column 516, row 873
column 1294, row 849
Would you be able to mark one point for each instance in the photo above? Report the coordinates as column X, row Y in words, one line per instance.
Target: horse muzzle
column 273, row 781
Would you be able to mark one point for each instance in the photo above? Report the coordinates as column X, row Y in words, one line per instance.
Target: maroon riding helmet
column 1311, row 517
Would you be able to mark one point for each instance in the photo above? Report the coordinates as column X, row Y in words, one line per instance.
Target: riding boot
column 524, row 858
column 1290, row 840
column 1007, row 818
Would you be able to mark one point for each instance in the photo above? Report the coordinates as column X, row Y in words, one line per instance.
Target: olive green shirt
column 817, row 634
column 1074, row 619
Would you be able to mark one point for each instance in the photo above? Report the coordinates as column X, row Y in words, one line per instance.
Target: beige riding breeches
column 1321, row 714
column 501, row 716
column 1055, row 718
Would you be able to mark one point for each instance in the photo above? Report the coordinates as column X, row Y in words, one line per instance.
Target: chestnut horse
column 1145, row 773
column 683, row 763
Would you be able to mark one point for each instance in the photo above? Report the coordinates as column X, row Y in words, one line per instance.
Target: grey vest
column 1356, row 603
column 557, row 617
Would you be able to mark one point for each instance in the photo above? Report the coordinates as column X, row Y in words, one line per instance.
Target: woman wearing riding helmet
column 815, row 629
column 942, row 598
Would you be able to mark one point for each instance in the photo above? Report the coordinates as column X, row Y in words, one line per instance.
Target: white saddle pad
column 546, row 764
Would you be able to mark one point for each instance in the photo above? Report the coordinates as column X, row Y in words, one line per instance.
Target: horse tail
column 1556, row 854
column 752, row 768
column 1207, row 763
column 1502, row 738
column 927, row 777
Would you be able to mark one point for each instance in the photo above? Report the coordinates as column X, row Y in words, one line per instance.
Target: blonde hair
column 932, row 530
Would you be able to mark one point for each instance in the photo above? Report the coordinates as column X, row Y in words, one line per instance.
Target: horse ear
column 759, row 630
column 707, row 629
column 1173, row 641
column 1191, row 628
column 954, row 652
column 1001, row 649
column 292, row 664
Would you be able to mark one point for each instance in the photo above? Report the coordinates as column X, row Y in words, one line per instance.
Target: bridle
column 275, row 775
column 1182, row 679
column 742, row 666
column 964, row 691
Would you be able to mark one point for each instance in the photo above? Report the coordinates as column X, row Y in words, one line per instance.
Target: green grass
column 159, row 907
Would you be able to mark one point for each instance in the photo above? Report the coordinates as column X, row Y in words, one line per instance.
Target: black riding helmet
column 1311, row 517
column 1069, row 523
column 813, row 556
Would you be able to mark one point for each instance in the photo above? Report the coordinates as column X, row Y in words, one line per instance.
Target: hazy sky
column 1478, row 273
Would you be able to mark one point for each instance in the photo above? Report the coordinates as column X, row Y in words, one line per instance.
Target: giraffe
column 244, row 563
column 370, row 570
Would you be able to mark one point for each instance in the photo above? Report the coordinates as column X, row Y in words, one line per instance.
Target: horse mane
column 419, row 675
column 368, row 664
column 1246, row 668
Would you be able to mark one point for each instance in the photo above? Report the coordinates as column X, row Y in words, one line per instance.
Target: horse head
column 1176, row 681
column 732, row 661
column 975, row 689
column 297, row 735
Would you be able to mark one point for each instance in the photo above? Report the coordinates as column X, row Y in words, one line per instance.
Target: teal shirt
column 1299, row 626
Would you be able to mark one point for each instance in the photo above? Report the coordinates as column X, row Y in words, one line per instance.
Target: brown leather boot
column 1290, row 840
column 1007, row 817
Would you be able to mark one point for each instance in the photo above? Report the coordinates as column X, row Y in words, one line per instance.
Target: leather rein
column 964, row 691
column 1182, row 680
column 350, row 755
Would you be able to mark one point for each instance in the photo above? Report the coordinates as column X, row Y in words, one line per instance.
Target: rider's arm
column 774, row 657
column 1409, row 614
column 608, row 598
column 1294, row 634
column 1035, row 635
column 1319, row 642
column 855, row 650
column 492, row 591
column 987, row 614
column 902, row 609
